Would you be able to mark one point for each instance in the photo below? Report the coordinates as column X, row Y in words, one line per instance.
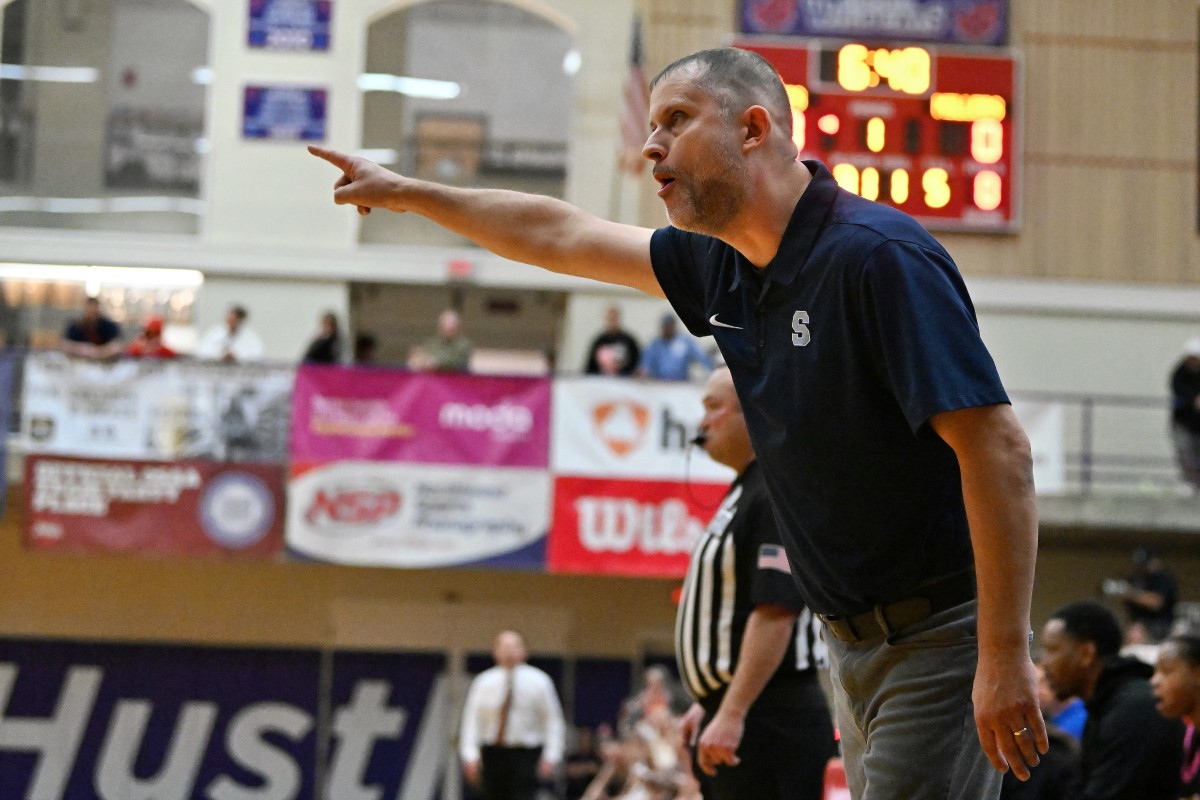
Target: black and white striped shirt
column 737, row 564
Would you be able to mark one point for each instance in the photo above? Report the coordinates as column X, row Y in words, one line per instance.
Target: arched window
column 467, row 92
column 102, row 106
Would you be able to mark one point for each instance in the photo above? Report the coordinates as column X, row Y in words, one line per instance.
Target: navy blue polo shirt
column 841, row 349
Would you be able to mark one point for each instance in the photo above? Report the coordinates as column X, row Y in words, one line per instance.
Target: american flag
column 636, row 109
column 772, row 556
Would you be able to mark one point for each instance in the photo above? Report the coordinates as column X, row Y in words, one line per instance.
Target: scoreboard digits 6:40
column 929, row 131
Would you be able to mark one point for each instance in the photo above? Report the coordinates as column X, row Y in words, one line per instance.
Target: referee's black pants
column 509, row 773
column 786, row 744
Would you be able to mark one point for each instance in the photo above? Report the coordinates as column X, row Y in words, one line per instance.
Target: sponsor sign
column 615, row 427
column 974, row 22
column 409, row 515
column 630, row 493
column 290, row 24
column 88, row 720
column 156, row 410
column 1043, row 423
column 284, row 113
column 182, row 507
column 385, row 415
column 628, row 527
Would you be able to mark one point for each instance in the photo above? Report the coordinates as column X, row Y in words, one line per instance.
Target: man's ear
column 757, row 127
column 1088, row 651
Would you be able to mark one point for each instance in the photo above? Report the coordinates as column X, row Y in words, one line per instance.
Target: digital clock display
column 929, row 131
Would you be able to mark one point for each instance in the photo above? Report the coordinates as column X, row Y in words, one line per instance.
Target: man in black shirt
column 1130, row 751
column 92, row 335
column 614, row 351
column 748, row 648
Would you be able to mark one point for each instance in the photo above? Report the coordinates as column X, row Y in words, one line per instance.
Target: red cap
column 154, row 326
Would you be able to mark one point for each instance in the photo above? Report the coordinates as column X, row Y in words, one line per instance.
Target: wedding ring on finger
column 1022, row 732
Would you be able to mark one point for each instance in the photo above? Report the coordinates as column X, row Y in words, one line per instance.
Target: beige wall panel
column 1172, row 20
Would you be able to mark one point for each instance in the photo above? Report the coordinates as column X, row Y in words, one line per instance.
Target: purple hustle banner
column 80, row 721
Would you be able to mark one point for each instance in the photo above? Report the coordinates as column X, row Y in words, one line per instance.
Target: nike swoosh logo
column 717, row 323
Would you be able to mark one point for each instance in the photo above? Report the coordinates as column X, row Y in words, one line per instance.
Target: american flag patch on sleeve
column 772, row 556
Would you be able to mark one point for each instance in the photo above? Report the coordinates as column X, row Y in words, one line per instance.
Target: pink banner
column 342, row 413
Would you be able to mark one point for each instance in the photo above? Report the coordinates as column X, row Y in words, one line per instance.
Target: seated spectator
column 326, row 348
column 582, row 764
column 365, row 346
column 1185, row 413
column 149, row 343
column 1176, row 684
column 231, row 340
column 92, row 335
column 614, row 351
column 448, row 351
column 1149, row 594
column 671, row 355
column 660, row 692
column 1129, row 751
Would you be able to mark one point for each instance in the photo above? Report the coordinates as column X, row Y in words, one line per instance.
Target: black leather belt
column 886, row 618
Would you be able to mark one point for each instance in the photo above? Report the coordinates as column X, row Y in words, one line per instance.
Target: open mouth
column 664, row 183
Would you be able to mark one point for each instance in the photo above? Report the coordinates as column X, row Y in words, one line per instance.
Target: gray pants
column 903, row 707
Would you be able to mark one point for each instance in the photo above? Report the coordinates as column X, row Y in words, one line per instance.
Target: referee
column 748, row 649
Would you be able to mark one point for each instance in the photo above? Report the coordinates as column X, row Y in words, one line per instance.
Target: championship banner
column 973, row 22
column 152, row 507
column 630, row 494
column 87, row 720
column 156, row 409
column 401, row 469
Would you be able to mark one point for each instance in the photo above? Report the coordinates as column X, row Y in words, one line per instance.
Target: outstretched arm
column 522, row 227
column 997, row 482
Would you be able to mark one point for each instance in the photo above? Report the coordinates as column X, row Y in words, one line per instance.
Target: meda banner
column 971, row 22
column 411, row 515
column 88, row 720
column 156, row 409
column 640, row 528
column 152, row 507
column 622, row 428
column 289, row 24
column 430, row 418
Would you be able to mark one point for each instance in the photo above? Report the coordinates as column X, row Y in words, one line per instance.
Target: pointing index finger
column 339, row 160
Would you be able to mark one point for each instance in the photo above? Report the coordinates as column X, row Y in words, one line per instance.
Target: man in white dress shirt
column 233, row 340
column 512, row 726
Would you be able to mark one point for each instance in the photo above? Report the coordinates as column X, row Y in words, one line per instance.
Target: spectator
column 1149, row 595
column 512, row 725
column 1176, row 684
column 233, row 340
column 670, row 356
column 149, row 343
column 326, row 348
column 1185, row 413
column 1069, row 715
column 448, row 351
column 614, row 351
column 660, row 693
column 582, row 764
column 93, row 335
column 1129, row 751
column 365, row 345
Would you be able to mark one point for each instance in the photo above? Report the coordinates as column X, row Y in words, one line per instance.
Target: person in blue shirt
column 898, row 473
column 670, row 356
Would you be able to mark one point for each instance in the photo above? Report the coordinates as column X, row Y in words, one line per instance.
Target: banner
column 1043, row 424
column 973, row 22
column 152, row 507
column 7, row 374
column 88, row 720
column 155, row 409
column 289, row 24
column 403, row 469
column 630, row 494
column 428, row 418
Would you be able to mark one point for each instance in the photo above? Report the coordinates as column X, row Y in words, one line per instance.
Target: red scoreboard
column 929, row 131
